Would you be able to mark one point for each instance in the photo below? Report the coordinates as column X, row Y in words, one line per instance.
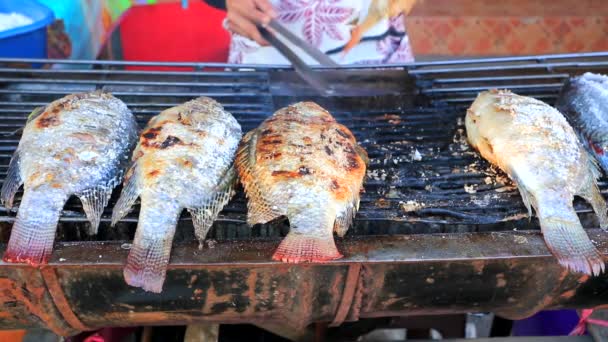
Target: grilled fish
column 183, row 160
column 584, row 101
column 534, row 144
column 80, row 145
column 302, row 164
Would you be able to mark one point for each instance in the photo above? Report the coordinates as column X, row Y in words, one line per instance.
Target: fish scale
column 77, row 145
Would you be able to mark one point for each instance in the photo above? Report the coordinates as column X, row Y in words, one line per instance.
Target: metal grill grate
column 458, row 82
column 422, row 177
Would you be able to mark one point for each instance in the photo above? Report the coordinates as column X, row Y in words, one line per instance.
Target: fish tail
column 12, row 182
column 310, row 238
column 149, row 255
column 33, row 233
column 296, row 248
column 568, row 241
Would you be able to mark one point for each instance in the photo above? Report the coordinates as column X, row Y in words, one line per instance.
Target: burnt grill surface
column 422, row 178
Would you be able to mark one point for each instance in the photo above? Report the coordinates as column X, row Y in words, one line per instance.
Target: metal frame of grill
column 439, row 230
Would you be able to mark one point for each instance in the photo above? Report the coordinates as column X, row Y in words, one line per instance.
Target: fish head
column 202, row 107
column 473, row 117
column 198, row 113
column 486, row 114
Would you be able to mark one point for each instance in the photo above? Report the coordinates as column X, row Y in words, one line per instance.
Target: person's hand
column 244, row 16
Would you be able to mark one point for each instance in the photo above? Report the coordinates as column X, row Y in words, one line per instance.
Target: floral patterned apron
column 350, row 31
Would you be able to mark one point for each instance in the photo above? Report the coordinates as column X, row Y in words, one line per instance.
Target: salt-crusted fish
column 584, row 101
column 183, row 160
column 80, row 145
column 302, row 164
column 534, row 144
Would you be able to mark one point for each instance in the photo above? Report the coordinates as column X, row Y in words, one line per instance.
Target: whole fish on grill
column 584, row 101
column 302, row 164
column 80, row 145
column 534, row 144
column 183, row 160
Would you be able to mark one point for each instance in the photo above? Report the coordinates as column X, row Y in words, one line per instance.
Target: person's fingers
column 244, row 16
column 235, row 26
column 249, row 9
column 254, row 33
column 245, row 28
column 266, row 7
column 257, row 16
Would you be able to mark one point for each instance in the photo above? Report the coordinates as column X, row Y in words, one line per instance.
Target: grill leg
column 288, row 332
column 202, row 332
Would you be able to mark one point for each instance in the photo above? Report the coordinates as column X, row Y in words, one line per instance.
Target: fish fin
column 591, row 193
column 594, row 166
column 94, row 202
column 363, row 154
column 35, row 113
column 568, row 241
column 203, row 217
column 34, row 230
column 128, row 196
column 12, row 182
column 523, row 192
column 259, row 209
column 525, row 197
column 149, row 255
column 297, row 247
column 345, row 218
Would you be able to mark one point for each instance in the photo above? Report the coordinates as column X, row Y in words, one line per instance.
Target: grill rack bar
column 200, row 65
column 389, row 128
column 511, row 273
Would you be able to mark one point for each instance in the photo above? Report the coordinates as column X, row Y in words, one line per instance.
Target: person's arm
column 219, row 4
column 244, row 16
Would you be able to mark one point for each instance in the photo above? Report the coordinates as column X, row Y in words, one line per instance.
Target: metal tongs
column 307, row 73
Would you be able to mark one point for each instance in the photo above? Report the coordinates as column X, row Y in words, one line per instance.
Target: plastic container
column 26, row 41
column 168, row 32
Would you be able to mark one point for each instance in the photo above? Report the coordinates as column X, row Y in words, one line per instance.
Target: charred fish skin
column 302, row 164
column 183, row 160
column 584, row 101
column 534, row 144
column 77, row 145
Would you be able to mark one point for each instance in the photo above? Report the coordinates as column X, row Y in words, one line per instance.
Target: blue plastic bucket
column 26, row 41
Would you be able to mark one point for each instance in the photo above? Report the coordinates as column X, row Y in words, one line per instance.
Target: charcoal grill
column 439, row 230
